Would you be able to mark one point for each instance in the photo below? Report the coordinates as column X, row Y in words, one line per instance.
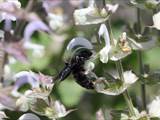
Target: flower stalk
column 120, row 72
column 125, row 94
column 140, row 62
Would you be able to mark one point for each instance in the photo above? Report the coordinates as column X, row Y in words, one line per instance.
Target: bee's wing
column 79, row 42
column 75, row 45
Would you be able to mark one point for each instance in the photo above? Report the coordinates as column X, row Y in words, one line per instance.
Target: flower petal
column 22, row 78
column 103, row 31
column 129, row 77
column 104, row 54
column 142, row 45
column 2, row 115
column 29, row 116
column 156, row 22
column 115, row 88
column 153, row 107
column 9, row 5
column 90, row 15
column 34, row 26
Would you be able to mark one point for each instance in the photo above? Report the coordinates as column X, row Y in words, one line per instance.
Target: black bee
column 76, row 67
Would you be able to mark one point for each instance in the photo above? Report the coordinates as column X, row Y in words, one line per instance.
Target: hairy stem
column 140, row 62
column 125, row 94
column 120, row 72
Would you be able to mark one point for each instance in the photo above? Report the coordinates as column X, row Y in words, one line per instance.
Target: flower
column 93, row 15
column 129, row 77
column 41, row 85
column 113, row 85
column 104, row 52
column 153, row 108
column 156, row 22
column 147, row 45
column 138, row 116
column 33, row 26
column 115, row 51
column 22, row 78
column 55, row 14
column 55, row 20
column 8, row 5
column 112, row 8
column 2, row 115
column 29, row 116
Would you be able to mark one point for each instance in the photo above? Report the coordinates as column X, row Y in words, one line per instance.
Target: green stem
column 120, row 71
column 140, row 61
column 110, row 32
column 129, row 103
column 125, row 94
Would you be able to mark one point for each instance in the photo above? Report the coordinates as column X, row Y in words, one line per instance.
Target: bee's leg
column 83, row 80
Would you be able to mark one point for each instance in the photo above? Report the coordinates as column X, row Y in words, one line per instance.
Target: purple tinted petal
column 8, row 25
column 34, row 26
column 24, row 77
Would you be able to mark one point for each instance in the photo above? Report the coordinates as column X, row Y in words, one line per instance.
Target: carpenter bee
column 75, row 66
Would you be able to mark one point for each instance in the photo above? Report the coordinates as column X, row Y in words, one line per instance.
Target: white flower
column 129, row 77
column 90, row 15
column 112, row 8
column 156, row 22
column 142, row 45
column 117, row 87
column 22, row 102
column 38, row 50
column 55, row 20
column 2, row 115
column 138, row 116
column 104, row 54
column 116, row 50
column 154, row 108
column 103, row 31
column 29, row 116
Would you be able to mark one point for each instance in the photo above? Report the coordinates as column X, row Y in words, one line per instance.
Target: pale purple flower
column 22, row 78
column 34, row 26
column 9, row 5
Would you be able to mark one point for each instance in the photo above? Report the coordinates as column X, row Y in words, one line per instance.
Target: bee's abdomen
column 83, row 80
